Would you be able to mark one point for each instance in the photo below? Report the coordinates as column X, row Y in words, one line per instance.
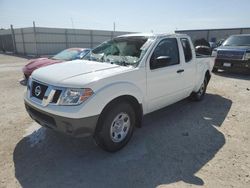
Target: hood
column 236, row 48
column 76, row 73
column 40, row 62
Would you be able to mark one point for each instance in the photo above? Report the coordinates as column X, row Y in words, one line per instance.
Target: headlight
column 247, row 56
column 75, row 96
column 29, row 83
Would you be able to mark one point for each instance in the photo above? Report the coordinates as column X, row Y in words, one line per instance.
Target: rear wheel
column 199, row 95
column 115, row 127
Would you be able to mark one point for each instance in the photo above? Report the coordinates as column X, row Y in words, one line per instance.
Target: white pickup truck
column 107, row 94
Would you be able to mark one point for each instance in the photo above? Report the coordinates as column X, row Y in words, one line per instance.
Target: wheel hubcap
column 120, row 127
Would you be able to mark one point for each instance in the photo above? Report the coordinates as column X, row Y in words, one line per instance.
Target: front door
column 164, row 75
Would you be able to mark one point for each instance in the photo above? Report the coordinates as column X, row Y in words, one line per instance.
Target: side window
column 187, row 49
column 165, row 54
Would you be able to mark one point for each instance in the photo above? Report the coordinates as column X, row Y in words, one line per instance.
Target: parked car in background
column 220, row 42
column 120, row 81
column 213, row 45
column 201, row 42
column 65, row 55
column 203, row 50
column 233, row 54
column 202, row 47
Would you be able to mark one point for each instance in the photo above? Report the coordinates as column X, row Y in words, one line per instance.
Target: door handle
column 180, row 71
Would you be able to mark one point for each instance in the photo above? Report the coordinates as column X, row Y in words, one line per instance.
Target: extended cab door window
column 186, row 49
column 165, row 54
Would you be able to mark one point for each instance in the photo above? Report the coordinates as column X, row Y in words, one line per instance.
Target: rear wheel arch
column 207, row 76
column 198, row 96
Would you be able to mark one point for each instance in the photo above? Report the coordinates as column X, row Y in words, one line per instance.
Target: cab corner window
column 186, row 49
column 165, row 54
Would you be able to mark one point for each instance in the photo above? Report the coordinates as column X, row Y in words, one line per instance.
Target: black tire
column 199, row 95
column 105, row 137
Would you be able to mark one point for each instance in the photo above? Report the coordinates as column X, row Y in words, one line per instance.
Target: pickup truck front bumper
column 234, row 65
column 75, row 127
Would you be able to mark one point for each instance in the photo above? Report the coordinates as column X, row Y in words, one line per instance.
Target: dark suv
column 233, row 54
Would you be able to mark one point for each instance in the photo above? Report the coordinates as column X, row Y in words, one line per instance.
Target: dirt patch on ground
column 184, row 145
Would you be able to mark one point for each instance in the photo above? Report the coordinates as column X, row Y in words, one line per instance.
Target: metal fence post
column 66, row 38
column 112, row 34
column 34, row 30
column 91, row 39
column 241, row 31
column 24, row 50
column 208, row 33
column 13, row 38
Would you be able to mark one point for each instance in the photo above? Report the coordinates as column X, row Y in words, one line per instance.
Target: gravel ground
column 187, row 144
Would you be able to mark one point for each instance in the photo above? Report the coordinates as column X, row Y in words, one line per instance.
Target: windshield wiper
column 123, row 63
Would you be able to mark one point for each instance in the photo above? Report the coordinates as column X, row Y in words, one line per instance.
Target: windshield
column 122, row 51
column 237, row 41
column 67, row 55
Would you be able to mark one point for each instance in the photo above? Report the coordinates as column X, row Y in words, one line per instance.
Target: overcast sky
column 129, row 15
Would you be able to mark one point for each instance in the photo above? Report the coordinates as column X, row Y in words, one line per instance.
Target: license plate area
column 226, row 64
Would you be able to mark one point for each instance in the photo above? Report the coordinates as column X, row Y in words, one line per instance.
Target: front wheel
column 199, row 95
column 116, row 127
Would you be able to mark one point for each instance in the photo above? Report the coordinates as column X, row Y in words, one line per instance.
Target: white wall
column 49, row 41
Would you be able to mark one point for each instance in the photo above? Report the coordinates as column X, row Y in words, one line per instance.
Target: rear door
column 189, row 65
column 164, row 80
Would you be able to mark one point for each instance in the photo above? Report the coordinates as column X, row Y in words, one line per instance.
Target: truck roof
column 154, row 35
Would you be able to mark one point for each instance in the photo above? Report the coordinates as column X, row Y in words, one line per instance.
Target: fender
column 104, row 95
column 201, row 73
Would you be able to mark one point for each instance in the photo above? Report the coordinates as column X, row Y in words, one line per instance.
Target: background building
column 214, row 35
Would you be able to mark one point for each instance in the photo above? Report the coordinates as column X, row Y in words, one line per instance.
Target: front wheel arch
column 124, row 98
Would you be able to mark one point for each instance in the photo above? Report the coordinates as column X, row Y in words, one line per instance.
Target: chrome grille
column 230, row 54
column 38, row 90
column 44, row 94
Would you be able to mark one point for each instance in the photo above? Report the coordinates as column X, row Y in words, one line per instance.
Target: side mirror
column 163, row 60
column 203, row 50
